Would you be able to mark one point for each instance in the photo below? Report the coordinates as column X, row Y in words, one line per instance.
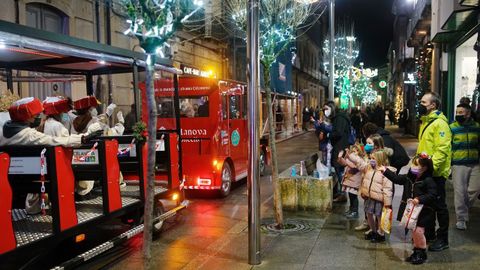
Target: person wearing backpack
column 400, row 157
column 339, row 138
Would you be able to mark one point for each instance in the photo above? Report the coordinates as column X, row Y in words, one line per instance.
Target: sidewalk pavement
column 213, row 234
column 285, row 135
column 332, row 242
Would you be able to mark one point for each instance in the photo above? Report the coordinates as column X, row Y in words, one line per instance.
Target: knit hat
column 86, row 102
column 55, row 105
column 24, row 109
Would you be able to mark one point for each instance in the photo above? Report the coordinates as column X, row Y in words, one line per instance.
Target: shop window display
column 465, row 69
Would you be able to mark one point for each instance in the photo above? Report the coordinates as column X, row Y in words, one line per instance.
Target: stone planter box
column 305, row 192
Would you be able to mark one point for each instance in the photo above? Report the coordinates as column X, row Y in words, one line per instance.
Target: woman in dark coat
column 418, row 185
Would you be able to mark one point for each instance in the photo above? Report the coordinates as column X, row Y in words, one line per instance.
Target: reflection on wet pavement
column 212, row 234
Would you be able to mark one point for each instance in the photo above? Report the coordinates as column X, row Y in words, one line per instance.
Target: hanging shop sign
column 410, row 79
column 196, row 72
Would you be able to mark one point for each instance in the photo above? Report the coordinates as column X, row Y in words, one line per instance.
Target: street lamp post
column 253, row 74
column 331, row 93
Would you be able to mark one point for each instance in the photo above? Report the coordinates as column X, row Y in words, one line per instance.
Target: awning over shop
column 458, row 24
column 470, row 3
column 445, row 37
column 458, row 18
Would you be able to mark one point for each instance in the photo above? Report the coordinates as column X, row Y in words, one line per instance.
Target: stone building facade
column 208, row 48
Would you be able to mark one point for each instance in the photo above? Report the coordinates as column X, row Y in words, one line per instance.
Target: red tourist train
column 214, row 135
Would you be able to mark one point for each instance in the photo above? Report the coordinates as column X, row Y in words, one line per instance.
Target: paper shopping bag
column 386, row 220
column 410, row 215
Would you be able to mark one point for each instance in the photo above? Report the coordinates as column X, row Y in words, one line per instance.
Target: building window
column 47, row 18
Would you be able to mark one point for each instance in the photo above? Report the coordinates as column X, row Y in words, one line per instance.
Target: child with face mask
column 377, row 191
column 373, row 143
column 352, row 178
column 418, row 185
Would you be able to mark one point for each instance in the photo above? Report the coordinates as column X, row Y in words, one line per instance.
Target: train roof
column 31, row 49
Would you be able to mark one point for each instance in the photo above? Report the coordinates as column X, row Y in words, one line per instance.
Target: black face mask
column 422, row 110
column 460, row 118
column 36, row 122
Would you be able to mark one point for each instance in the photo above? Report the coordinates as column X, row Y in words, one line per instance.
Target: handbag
column 386, row 220
column 410, row 215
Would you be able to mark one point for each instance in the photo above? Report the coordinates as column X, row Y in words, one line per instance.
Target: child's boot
column 421, row 257
column 409, row 258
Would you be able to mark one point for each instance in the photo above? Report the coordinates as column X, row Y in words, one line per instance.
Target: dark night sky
column 373, row 27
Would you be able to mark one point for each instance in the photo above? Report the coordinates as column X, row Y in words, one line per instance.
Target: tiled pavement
column 213, row 234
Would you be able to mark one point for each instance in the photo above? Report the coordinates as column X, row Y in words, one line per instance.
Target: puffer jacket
column 465, row 142
column 424, row 189
column 435, row 139
column 376, row 186
column 353, row 175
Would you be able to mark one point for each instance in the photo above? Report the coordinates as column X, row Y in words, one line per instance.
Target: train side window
column 244, row 106
column 235, row 107
column 224, row 107
column 195, row 106
column 165, row 107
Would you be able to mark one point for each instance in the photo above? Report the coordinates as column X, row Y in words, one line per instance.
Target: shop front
column 465, row 69
column 456, row 27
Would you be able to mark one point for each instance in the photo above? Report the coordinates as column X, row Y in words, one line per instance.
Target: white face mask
column 93, row 112
column 328, row 113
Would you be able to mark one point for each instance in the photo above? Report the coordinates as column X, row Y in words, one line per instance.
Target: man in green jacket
column 435, row 139
column 465, row 163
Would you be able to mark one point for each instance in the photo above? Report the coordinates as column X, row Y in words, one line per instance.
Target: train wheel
column 226, row 180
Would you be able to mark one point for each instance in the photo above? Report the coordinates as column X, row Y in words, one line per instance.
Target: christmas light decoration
column 362, row 89
column 422, row 76
column 346, row 53
column 398, row 102
column 153, row 22
column 382, row 84
column 280, row 23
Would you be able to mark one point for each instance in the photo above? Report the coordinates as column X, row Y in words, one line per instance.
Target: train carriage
column 54, row 169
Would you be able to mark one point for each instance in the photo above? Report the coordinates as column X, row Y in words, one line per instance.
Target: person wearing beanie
column 25, row 117
column 88, row 118
column 55, row 109
column 87, row 115
column 21, row 130
column 86, row 109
